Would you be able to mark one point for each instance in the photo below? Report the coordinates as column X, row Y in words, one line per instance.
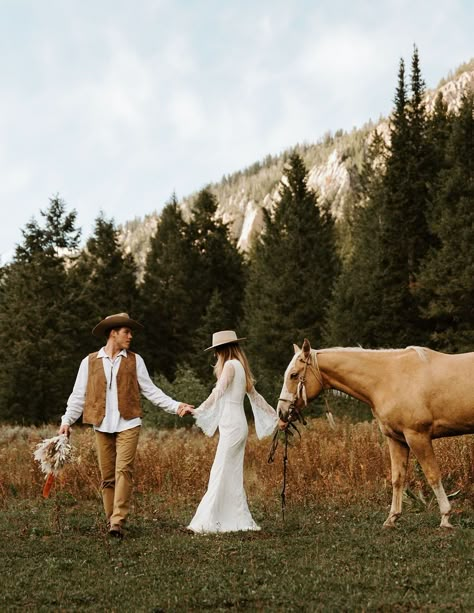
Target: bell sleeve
column 264, row 415
column 208, row 414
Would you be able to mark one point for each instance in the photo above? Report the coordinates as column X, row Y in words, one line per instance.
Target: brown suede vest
column 127, row 390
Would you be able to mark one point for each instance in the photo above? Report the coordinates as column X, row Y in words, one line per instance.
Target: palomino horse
column 415, row 394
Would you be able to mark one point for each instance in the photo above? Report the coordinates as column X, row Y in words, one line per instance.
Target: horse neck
column 357, row 373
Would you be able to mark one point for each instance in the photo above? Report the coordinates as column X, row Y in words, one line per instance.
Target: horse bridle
column 294, row 412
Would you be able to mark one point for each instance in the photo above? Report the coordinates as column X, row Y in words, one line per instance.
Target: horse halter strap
column 294, row 412
column 301, row 388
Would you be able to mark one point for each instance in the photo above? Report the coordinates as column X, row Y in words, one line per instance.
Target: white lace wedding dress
column 224, row 506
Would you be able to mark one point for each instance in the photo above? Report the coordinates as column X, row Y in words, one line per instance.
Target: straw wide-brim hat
column 224, row 338
column 119, row 320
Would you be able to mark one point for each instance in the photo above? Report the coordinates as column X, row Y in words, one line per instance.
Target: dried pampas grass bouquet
column 52, row 455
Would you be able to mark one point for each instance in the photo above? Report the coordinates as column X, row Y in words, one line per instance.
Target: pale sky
column 114, row 104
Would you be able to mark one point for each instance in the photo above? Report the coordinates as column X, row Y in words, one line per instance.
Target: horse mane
column 420, row 351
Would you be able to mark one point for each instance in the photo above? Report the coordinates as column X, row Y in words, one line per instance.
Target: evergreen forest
column 397, row 270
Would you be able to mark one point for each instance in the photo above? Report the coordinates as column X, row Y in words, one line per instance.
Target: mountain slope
column 333, row 164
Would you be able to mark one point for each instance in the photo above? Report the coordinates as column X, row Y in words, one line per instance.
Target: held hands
column 184, row 409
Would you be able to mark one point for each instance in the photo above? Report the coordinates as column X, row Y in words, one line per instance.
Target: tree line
column 397, row 270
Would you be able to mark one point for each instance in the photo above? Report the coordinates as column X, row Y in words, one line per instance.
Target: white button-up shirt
column 113, row 421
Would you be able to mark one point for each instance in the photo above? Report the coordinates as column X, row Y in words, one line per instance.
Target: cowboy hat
column 119, row 320
column 224, row 338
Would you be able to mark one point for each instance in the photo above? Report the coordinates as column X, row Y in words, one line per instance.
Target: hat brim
column 226, row 343
column 115, row 322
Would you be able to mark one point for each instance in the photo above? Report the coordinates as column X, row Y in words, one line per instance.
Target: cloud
column 187, row 115
column 114, row 105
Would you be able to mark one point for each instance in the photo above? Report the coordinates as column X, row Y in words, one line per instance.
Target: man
column 107, row 394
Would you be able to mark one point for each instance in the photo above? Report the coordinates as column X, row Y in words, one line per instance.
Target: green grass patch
column 56, row 555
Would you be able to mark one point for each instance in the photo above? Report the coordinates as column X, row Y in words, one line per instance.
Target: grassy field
column 331, row 553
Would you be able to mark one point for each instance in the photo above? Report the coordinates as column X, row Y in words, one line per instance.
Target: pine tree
column 168, row 306
column 354, row 316
column 396, row 305
column 439, row 128
column 105, row 280
column 372, row 296
column 292, row 271
column 391, row 234
column 446, row 282
column 38, row 324
column 219, row 266
column 405, row 234
column 217, row 317
column 418, row 173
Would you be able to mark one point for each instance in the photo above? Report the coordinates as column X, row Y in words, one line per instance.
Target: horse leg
column 399, row 452
column 422, row 447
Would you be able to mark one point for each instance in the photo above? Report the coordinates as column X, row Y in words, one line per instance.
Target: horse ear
column 306, row 347
column 296, row 348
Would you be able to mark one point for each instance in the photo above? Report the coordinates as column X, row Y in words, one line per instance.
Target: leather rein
column 294, row 414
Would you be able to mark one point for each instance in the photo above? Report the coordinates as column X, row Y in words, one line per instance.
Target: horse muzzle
column 283, row 409
column 288, row 411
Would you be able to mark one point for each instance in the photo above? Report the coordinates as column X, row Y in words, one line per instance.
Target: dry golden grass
column 345, row 465
column 330, row 554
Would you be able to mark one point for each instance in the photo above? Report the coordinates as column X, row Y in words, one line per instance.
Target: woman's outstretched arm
column 208, row 413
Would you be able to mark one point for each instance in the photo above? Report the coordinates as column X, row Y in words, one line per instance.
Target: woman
column 224, row 506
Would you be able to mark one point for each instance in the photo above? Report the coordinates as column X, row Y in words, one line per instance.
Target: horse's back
column 451, row 366
column 430, row 391
column 449, row 392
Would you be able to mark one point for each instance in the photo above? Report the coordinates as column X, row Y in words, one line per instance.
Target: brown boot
column 116, row 531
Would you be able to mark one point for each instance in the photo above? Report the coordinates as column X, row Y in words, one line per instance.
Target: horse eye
column 293, row 375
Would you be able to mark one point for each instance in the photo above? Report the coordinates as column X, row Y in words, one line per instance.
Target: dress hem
column 221, row 531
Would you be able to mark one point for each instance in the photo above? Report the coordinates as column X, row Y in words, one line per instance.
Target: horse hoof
column 390, row 522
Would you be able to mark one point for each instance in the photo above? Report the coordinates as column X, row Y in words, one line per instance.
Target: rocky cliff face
column 452, row 91
column 332, row 172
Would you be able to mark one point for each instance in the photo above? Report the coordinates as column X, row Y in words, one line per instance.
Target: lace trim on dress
column 264, row 415
column 208, row 414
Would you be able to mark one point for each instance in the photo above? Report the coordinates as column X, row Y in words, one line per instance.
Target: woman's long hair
column 232, row 351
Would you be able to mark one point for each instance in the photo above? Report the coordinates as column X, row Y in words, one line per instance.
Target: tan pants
column 116, row 453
